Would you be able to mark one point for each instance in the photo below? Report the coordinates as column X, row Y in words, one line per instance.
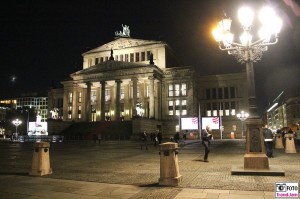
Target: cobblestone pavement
column 123, row 162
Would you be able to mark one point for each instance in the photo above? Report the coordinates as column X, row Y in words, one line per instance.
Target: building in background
column 284, row 111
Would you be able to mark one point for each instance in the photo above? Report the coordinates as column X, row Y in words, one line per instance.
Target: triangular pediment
column 122, row 43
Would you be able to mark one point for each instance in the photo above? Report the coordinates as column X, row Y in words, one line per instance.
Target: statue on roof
column 111, row 54
column 124, row 33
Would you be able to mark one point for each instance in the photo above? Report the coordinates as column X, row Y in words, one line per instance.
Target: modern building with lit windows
column 141, row 81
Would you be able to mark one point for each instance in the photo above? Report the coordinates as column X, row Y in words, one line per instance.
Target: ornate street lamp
column 242, row 116
column 16, row 122
column 247, row 52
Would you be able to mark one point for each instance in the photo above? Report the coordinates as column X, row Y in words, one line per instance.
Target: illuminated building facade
column 128, row 78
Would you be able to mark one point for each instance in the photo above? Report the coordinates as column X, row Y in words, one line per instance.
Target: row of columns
column 118, row 83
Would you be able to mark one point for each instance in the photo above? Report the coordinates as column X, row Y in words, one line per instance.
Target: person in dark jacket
column 268, row 137
column 206, row 136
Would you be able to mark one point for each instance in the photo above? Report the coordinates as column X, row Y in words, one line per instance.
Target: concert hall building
column 141, row 81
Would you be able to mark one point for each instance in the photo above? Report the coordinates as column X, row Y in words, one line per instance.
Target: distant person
column 268, row 138
column 206, row 136
column 176, row 137
column 159, row 137
column 144, row 140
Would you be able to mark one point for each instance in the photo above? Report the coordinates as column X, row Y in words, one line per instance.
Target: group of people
column 155, row 138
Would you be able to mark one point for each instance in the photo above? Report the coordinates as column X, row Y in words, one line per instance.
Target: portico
column 112, row 90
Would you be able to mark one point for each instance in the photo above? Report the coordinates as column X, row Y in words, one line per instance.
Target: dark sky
column 42, row 41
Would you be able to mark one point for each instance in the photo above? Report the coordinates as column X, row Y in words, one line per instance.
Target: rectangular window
column 121, row 58
column 183, row 107
column 137, row 57
column 214, row 93
column 177, row 89
column 126, row 57
column 147, row 91
column 131, row 57
column 79, row 97
column 101, row 59
column 122, row 93
column 208, row 113
column 232, row 108
column 208, row 93
column 170, row 108
column 143, row 56
column 183, row 89
column 220, row 93
column 171, row 91
column 177, row 107
column 226, row 93
column 69, row 112
column 79, row 111
column 70, row 98
column 107, row 94
column 232, row 92
column 97, row 61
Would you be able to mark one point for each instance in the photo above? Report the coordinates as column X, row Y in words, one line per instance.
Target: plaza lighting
column 16, row 122
column 242, row 116
column 248, row 51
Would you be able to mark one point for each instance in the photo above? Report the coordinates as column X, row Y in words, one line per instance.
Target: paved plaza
column 120, row 169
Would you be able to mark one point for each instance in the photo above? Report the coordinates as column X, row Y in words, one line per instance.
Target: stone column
column 102, row 100
column 118, row 97
column 151, row 98
column 65, row 105
column 88, row 101
column 134, row 95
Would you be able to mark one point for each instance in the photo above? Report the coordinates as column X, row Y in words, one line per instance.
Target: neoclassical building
column 128, row 79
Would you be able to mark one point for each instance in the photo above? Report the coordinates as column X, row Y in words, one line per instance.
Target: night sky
column 42, row 41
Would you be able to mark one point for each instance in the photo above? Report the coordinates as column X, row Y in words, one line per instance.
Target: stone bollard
column 290, row 143
column 278, row 142
column 169, row 169
column 40, row 160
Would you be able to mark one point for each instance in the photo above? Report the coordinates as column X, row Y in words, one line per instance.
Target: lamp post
column 247, row 52
column 242, row 116
column 16, row 122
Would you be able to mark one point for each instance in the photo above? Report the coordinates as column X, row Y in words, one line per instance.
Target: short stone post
column 40, row 160
column 169, row 169
column 290, row 143
column 278, row 141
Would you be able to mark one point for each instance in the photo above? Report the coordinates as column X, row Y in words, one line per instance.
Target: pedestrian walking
column 159, row 137
column 268, row 138
column 206, row 136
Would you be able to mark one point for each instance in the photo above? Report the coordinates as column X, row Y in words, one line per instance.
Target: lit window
column 147, row 91
column 107, row 94
column 177, row 89
column 183, row 107
column 183, row 89
column 227, row 112
column 70, row 97
column 170, row 90
column 177, row 107
column 232, row 111
column 170, row 108
column 79, row 97
column 215, row 113
column 122, row 93
column 79, row 111
column 70, row 112
column 208, row 113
